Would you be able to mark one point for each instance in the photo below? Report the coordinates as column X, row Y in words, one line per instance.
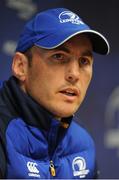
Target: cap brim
column 99, row 42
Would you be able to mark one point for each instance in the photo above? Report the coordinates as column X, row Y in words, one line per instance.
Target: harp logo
column 79, row 167
column 68, row 16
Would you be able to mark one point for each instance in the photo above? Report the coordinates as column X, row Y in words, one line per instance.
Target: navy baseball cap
column 51, row 28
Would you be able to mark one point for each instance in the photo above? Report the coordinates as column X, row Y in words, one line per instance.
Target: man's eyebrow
column 87, row 53
column 62, row 48
column 67, row 50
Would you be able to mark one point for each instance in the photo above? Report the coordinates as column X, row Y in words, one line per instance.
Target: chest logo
column 79, row 167
column 33, row 171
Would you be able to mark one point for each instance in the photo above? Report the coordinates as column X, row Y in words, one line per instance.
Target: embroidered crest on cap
column 68, row 16
column 79, row 167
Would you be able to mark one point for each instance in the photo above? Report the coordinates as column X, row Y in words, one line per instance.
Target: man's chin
column 59, row 116
column 63, row 111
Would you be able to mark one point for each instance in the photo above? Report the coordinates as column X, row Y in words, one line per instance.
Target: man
column 52, row 69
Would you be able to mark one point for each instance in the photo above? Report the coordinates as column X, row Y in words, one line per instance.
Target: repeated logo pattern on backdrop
column 111, row 137
column 24, row 10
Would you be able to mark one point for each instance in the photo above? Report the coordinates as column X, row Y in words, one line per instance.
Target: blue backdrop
column 99, row 112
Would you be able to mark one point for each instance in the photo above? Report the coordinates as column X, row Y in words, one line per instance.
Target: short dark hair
column 29, row 55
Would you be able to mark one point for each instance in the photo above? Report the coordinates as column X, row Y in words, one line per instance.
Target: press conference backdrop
column 99, row 113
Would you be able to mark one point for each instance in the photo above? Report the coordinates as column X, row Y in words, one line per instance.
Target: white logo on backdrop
column 111, row 138
column 9, row 47
column 25, row 8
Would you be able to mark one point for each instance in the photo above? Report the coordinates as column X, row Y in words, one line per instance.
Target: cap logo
column 68, row 16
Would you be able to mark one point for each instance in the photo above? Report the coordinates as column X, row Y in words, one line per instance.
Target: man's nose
column 73, row 72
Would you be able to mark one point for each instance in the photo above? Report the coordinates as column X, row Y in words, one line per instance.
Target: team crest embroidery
column 79, row 167
column 68, row 16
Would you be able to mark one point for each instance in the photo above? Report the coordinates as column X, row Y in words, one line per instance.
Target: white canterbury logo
column 33, row 169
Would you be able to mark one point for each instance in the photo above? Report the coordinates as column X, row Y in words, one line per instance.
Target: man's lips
column 70, row 91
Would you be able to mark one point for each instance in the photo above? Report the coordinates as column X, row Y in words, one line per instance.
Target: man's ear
column 20, row 66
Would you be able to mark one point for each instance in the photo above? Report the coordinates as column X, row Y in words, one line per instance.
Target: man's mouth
column 70, row 92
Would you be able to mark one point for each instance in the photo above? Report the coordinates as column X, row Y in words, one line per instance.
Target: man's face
column 58, row 79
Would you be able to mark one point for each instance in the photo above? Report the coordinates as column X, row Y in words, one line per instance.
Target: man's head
column 60, row 49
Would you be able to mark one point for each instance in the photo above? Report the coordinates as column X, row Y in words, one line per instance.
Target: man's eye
column 84, row 61
column 58, row 56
